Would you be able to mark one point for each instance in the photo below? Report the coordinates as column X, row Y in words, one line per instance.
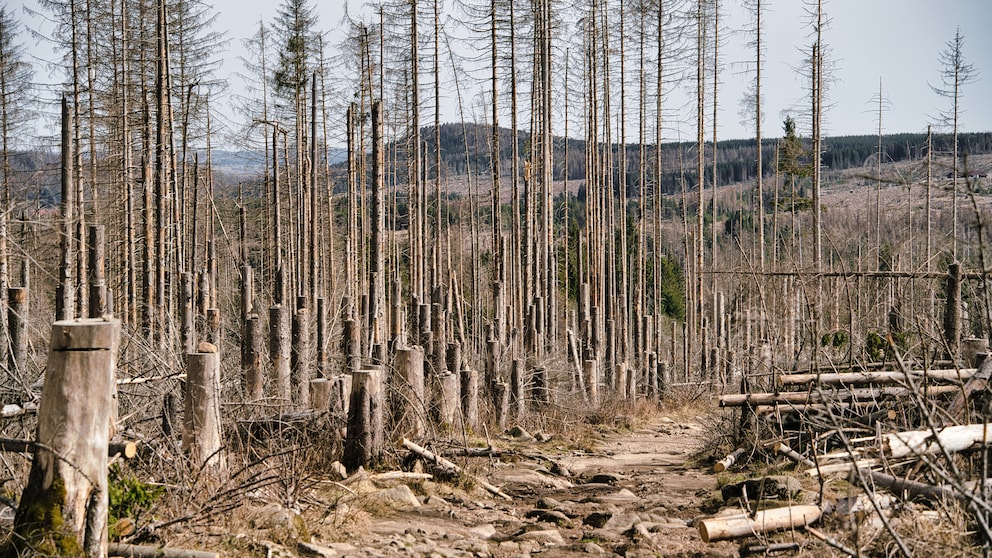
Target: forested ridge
column 466, row 149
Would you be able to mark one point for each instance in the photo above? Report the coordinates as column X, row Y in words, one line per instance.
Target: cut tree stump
column 201, row 419
column 64, row 505
column 364, row 440
column 409, row 405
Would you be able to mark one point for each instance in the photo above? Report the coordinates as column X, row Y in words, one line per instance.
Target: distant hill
column 465, row 150
column 239, row 164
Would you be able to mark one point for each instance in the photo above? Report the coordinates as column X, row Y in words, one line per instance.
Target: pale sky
column 895, row 41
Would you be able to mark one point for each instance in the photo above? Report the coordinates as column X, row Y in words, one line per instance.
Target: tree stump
column 63, row 508
column 251, row 360
column 470, row 397
column 364, row 441
column 448, row 398
column 590, row 370
column 409, row 406
column 320, row 394
column 279, row 351
column 518, row 400
column 300, row 361
column 201, row 418
column 501, row 403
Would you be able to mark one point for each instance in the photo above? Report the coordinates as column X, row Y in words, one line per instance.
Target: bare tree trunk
column 377, row 277
column 65, row 502
column 64, row 299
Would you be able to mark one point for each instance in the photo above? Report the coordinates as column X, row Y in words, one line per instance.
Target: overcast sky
column 895, row 41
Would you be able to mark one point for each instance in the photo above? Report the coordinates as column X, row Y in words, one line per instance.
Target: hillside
column 465, row 150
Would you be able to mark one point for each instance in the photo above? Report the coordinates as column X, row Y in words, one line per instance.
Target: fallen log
column 765, row 549
column 147, row 379
column 471, row 452
column 400, row 475
column 905, row 487
column 142, row 551
column 449, row 466
column 842, row 467
column 728, row 462
column 787, row 408
column 952, row 439
column 887, row 377
column 792, row 454
column 822, row 396
column 13, row 445
column 766, row 521
column 831, row 541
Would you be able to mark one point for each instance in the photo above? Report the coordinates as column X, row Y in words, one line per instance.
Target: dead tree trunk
column 409, row 410
column 364, row 441
column 251, row 361
column 64, row 299
column 201, row 420
column 952, row 312
column 301, row 355
column 187, row 331
column 470, row 397
column 98, row 281
column 279, row 349
column 64, row 505
column 17, row 326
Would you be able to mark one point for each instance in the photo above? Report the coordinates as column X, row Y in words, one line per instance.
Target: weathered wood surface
column 728, row 461
column 364, row 440
column 143, row 551
column 792, row 454
column 201, row 420
column 409, row 407
column 766, row 521
column 69, row 470
column 911, row 488
column 876, row 377
column 952, row 439
column 820, row 396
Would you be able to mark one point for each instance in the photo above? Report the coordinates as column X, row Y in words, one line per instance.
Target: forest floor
column 616, row 486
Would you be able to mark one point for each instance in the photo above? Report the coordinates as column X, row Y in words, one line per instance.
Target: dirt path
column 627, row 493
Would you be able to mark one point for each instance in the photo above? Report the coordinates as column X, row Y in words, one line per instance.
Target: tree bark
column 201, row 419
column 68, row 478
column 789, row 517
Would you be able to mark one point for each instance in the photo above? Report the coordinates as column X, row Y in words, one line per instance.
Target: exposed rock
column 400, row 494
column 486, row 531
column 544, row 537
column 591, row 548
column 560, row 470
column 520, row 434
column 325, row 551
column 621, row 521
column 549, row 516
column 620, row 497
column 338, row 471
column 604, row 478
column 597, row 519
column 548, row 504
column 272, row 516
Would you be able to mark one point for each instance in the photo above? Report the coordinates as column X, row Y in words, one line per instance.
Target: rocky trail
column 625, row 492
